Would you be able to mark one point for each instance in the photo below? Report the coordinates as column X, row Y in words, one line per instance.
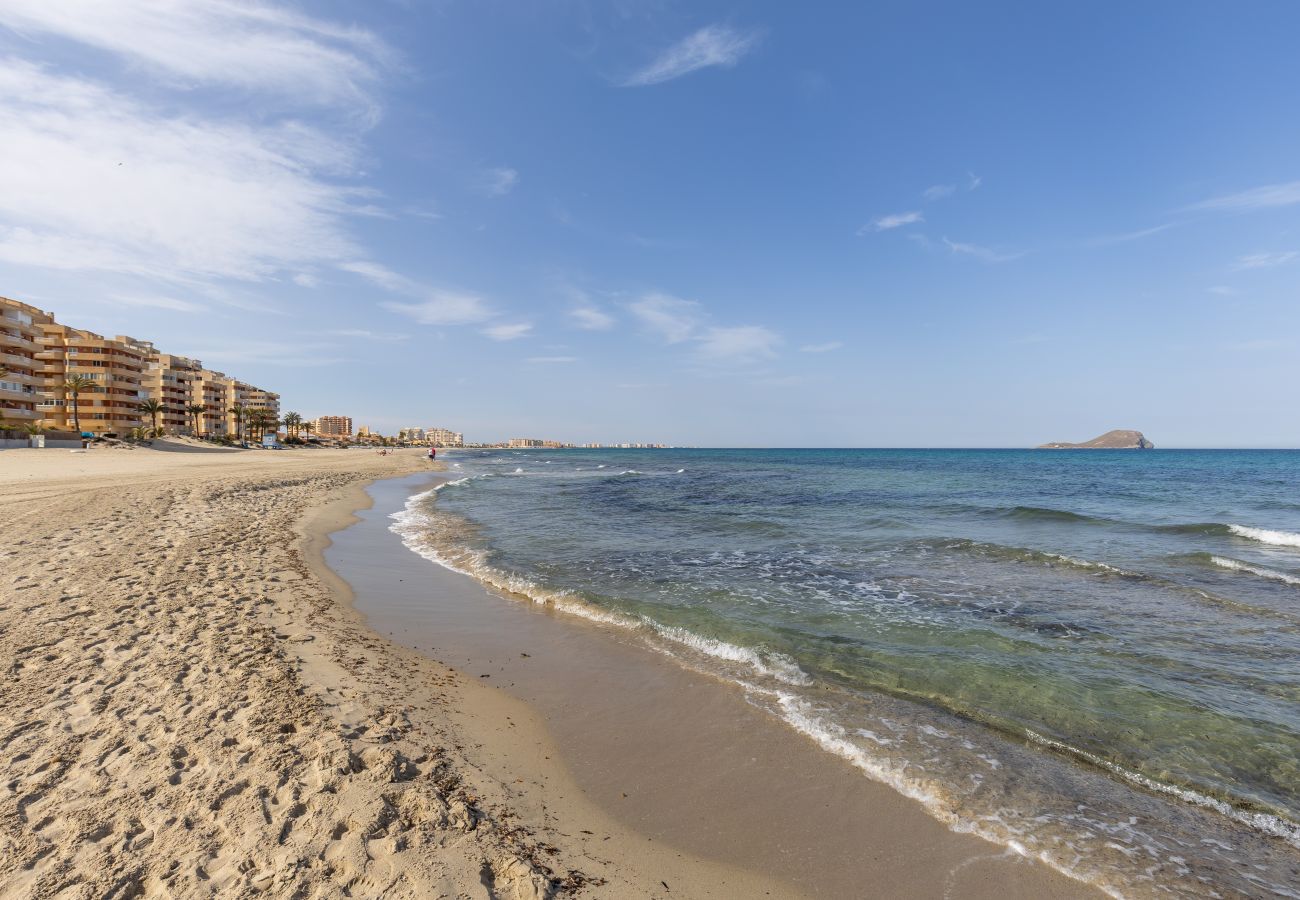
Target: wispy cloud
column 737, row 344
column 1266, row 260
column 508, row 331
column 250, row 45
column 306, row 280
column 984, row 254
column 294, row 354
column 499, row 182
column 712, row 45
column 551, row 360
column 443, row 308
column 90, row 179
column 895, row 220
column 1266, row 197
column 159, row 302
column 1222, row 290
column 365, row 334
column 821, row 348
column 591, row 318
column 1127, row 236
column 381, row 275
column 671, row 318
column 938, row 192
column 973, row 181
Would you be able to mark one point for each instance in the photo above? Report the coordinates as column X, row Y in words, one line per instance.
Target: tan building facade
column 38, row 355
column 445, row 437
column 20, row 381
column 333, row 426
column 111, row 405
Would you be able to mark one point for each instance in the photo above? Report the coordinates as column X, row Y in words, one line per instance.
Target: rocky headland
column 1119, row 439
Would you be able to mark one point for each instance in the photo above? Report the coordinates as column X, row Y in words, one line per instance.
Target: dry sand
column 191, row 707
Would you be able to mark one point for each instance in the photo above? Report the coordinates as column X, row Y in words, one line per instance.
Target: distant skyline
column 896, row 224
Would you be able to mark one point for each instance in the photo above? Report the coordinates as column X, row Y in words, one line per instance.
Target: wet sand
column 674, row 755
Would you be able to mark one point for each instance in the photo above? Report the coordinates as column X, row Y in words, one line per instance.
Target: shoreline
column 823, row 813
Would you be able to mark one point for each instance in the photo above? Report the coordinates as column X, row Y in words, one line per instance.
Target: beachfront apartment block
column 20, row 341
column 39, row 354
column 524, row 443
column 114, row 368
column 333, row 426
column 444, row 437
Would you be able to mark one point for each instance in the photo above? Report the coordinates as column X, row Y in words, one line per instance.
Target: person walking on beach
column 433, row 452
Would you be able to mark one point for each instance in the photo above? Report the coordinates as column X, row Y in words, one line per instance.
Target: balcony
column 18, row 342
column 18, row 413
column 18, row 396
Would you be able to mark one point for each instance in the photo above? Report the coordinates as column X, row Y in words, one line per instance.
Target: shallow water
column 1089, row 656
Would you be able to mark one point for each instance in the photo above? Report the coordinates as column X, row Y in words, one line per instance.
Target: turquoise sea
column 1091, row 657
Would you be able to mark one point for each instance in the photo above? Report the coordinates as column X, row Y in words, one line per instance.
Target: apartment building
column 444, row 437
column 333, row 426
column 256, row 399
column 115, row 368
column 20, row 381
column 523, row 443
column 171, row 380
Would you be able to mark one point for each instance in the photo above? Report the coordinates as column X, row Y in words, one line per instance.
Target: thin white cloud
column 1266, row 260
column 1266, row 197
column 738, row 344
column 92, row 180
column 973, row 181
column 895, row 220
column 294, row 354
column 441, row 307
column 673, row 319
column 712, row 45
column 249, row 45
column 551, row 360
column 984, row 254
column 591, row 318
column 1222, row 290
column 508, row 331
column 821, row 348
column 306, row 280
column 381, row 275
column 1130, row 235
column 938, row 192
column 499, row 182
column 386, row 337
column 159, row 302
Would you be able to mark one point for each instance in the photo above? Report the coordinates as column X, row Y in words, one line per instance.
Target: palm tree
column 196, row 410
column 240, row 412
column 309, row 427
column 291, row 422
column 152, row 407
column 74, row 386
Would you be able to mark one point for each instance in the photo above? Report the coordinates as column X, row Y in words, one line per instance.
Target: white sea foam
column 1237, row 565
column 1267, row 536
column 1269, row 824
column 774, row 665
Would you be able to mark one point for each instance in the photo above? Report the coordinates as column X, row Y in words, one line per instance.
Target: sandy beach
column 194, row 707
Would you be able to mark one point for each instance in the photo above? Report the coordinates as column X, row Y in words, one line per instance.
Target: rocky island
column 1112, row 440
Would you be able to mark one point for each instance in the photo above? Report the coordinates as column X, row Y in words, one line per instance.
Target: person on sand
column 433, row 453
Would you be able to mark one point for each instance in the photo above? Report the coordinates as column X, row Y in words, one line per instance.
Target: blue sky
column 890, row 224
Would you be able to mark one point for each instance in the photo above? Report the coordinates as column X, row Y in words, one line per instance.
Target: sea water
column 1091, row 657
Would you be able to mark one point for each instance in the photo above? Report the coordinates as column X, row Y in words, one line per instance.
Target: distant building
column 443, row 437
column 524, row 443
column 333, row 426
column 363, row 431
